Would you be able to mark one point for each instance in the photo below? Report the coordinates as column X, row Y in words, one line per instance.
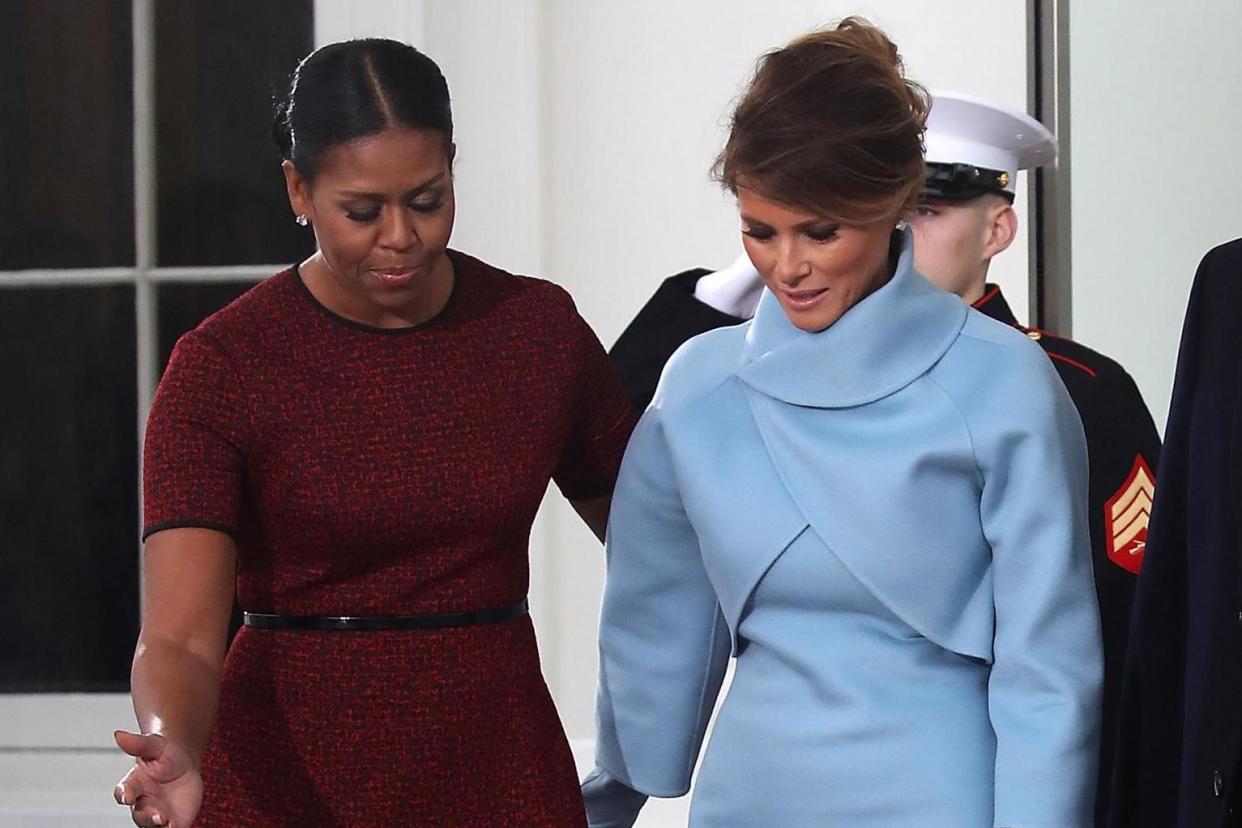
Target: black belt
column 350, row 623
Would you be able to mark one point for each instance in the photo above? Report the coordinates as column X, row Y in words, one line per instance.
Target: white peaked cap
column 967, row 129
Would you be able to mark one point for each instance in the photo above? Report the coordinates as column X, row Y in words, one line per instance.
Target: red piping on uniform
column 985, row 298
column 1073, row 362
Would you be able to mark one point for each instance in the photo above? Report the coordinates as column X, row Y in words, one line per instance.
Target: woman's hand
column 163, row 788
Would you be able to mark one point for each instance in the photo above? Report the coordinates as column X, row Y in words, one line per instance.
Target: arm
column 663, row 642
column 192, row 469
column 188, row 589
column 1044, row 689
column 188, row 577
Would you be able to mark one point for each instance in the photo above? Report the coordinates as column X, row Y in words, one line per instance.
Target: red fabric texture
column 371, row 472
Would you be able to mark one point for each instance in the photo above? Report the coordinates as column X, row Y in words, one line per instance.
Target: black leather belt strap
column 359, row 623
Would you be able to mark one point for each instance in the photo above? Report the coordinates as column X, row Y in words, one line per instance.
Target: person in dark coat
column 1181, row 706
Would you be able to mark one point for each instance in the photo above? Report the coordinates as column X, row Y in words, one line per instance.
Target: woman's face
column 382, row 208
column 816, row 268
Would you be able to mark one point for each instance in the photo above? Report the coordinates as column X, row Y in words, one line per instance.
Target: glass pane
column 219, row 64
column 67, row 134
column 183, row 305
column 68, row 489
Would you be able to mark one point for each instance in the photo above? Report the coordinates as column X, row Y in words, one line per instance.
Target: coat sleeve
column 663, row 641
column 1047, row 672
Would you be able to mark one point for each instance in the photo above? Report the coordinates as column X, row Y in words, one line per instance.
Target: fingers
column 149, row 747
column 141, row 795
column 132, row 787
column 148, row 814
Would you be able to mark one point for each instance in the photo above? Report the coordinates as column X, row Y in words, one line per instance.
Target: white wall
column 1156, row 177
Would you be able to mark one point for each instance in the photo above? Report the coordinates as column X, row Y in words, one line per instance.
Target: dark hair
column 830, row 124
column 348, row 90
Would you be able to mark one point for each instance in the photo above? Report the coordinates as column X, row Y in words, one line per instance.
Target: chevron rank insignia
column 1126, row 515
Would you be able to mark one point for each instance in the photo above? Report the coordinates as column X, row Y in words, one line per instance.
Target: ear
column 1002, row 229
column 299, row 190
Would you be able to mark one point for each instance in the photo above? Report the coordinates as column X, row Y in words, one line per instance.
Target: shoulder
column 1225, row 258
column 539, row 310
column 670, row 316
column 251, row 321
column 1075, row 361
column 1217, row 289
column 682, row 284
column 995, row 372
column 989, row 344
column 700, row 365
column 505, row 288
column 266, row 303
column 674, row 305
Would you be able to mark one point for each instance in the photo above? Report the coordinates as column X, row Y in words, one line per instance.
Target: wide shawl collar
column 837, row 437
column 878, row 347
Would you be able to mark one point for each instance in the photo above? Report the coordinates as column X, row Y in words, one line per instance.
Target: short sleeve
column 602, row 419
column 193, row 453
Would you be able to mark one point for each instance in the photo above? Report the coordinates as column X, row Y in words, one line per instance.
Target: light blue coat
column 885, row 523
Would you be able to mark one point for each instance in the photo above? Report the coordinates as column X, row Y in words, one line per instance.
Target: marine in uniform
column 975, row 149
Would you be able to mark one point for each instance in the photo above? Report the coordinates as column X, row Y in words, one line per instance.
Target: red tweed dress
column 373, row 472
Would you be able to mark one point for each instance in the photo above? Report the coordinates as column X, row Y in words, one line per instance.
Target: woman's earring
column 902, row 224
column 302, row 220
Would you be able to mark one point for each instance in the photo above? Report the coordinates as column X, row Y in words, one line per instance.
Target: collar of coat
column 875, row 349
column 992, row 304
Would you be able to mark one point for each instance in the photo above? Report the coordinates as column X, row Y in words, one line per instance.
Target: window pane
column 219, row 64
column 68, row 489
column 182, row 306
column 66, row 104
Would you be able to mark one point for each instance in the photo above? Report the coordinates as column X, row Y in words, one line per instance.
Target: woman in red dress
column 356, row 448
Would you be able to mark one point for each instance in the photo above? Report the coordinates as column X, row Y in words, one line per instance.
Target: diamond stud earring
column 302, row 220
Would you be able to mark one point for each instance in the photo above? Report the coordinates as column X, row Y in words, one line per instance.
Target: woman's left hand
column 163, row 789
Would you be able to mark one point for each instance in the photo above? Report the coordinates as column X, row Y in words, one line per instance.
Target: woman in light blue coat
column 870, row 495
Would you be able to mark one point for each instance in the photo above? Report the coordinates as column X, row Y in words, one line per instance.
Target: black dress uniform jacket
column 1122, row 444
column 1181, row 710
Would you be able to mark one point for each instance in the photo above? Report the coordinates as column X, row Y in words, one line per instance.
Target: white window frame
column 83, row 722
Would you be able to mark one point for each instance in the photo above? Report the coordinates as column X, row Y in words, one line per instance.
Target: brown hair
column 830, row 124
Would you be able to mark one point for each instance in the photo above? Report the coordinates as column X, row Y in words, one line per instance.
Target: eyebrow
column 800, row 226
column 426, row 185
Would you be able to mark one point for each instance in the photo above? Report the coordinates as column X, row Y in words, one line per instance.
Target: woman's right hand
column 163, row 788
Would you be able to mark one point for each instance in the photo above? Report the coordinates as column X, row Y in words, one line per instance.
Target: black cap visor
column 961, row 182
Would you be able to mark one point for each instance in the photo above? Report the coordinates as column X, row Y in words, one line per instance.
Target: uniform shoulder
column 685, row 281
column 699, row 365
column 1072, row 356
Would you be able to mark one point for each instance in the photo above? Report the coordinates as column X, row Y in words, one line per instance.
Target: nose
column 397, row 229
column 791, row 266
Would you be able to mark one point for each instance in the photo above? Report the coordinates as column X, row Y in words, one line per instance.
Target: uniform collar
column 992, row 303
column 876, row 348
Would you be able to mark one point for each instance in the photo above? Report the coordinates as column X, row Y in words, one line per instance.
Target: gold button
column 1035, row 335
column 1003, row 179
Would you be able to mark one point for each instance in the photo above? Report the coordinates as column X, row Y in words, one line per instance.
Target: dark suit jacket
column 1181, row 712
